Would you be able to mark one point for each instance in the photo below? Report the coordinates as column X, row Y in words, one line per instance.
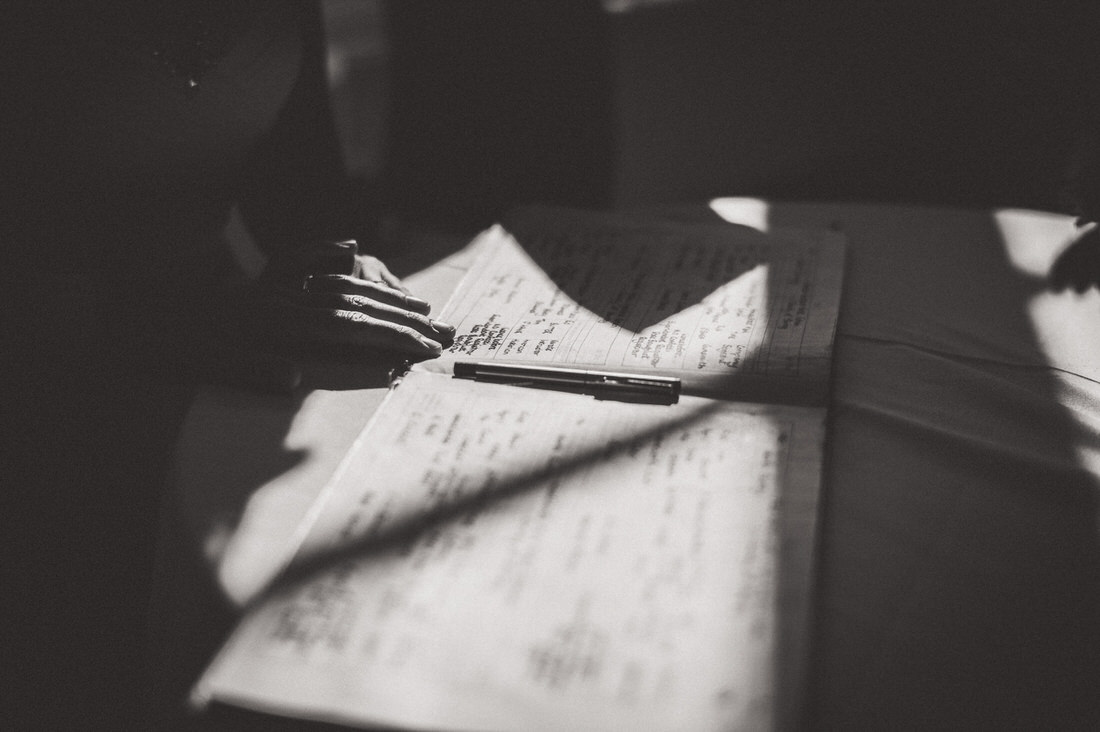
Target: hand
column 331, row 296
column 326, row 297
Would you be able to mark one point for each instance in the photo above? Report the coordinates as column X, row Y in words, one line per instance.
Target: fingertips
column 396, row 283
column 381, row 272
column 446, row 332
column 357, row 329
column 435, row 348
column 381, row 291
column 416, row 305
column 381, row 311
column 403, row 340
column 440, row 332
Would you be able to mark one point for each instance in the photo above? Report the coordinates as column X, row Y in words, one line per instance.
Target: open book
column 495, row 557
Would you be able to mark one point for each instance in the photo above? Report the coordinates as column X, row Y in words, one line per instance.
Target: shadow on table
column 960, row 561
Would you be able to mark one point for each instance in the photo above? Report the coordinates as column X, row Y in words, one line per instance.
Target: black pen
column 600, row 384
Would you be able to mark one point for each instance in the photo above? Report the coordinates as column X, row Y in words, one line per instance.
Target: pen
column 600, row 384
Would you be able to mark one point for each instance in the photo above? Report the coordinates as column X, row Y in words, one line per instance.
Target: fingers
column 372, row 268
column 287, row 268
column 393, row 281
column 353, row 322
column 360, row 330
column 346, row 311
column 381, row 312
column 381, row 292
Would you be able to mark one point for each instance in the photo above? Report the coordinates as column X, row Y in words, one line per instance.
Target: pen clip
column 636, row 389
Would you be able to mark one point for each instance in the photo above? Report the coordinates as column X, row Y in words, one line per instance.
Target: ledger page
column 490, row 557
column 720, row 306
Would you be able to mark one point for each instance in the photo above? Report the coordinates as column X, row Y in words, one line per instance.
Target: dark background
column 461, row 109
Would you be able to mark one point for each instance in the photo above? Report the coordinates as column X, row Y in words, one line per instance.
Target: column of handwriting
column 614, row 554
column 665, row 299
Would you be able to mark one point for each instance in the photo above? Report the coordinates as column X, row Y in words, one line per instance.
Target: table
column 959, row 567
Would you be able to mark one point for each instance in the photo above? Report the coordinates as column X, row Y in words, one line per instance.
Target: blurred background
column 358, row 64
column 454, row 111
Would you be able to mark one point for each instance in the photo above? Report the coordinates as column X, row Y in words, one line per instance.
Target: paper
column 494, row 557
column 714, row 305
column 551, row 562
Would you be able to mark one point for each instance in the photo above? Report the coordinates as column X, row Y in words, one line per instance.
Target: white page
column 729, row 309
column 584, row 565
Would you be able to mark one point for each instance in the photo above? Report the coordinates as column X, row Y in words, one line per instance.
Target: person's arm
column 296, row 203
column 294, row 187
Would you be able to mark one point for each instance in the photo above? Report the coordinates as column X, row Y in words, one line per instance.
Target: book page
column 734, row 312
column 551, row 562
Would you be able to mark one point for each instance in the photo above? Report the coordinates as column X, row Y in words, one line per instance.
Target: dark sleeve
column 295, row 188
